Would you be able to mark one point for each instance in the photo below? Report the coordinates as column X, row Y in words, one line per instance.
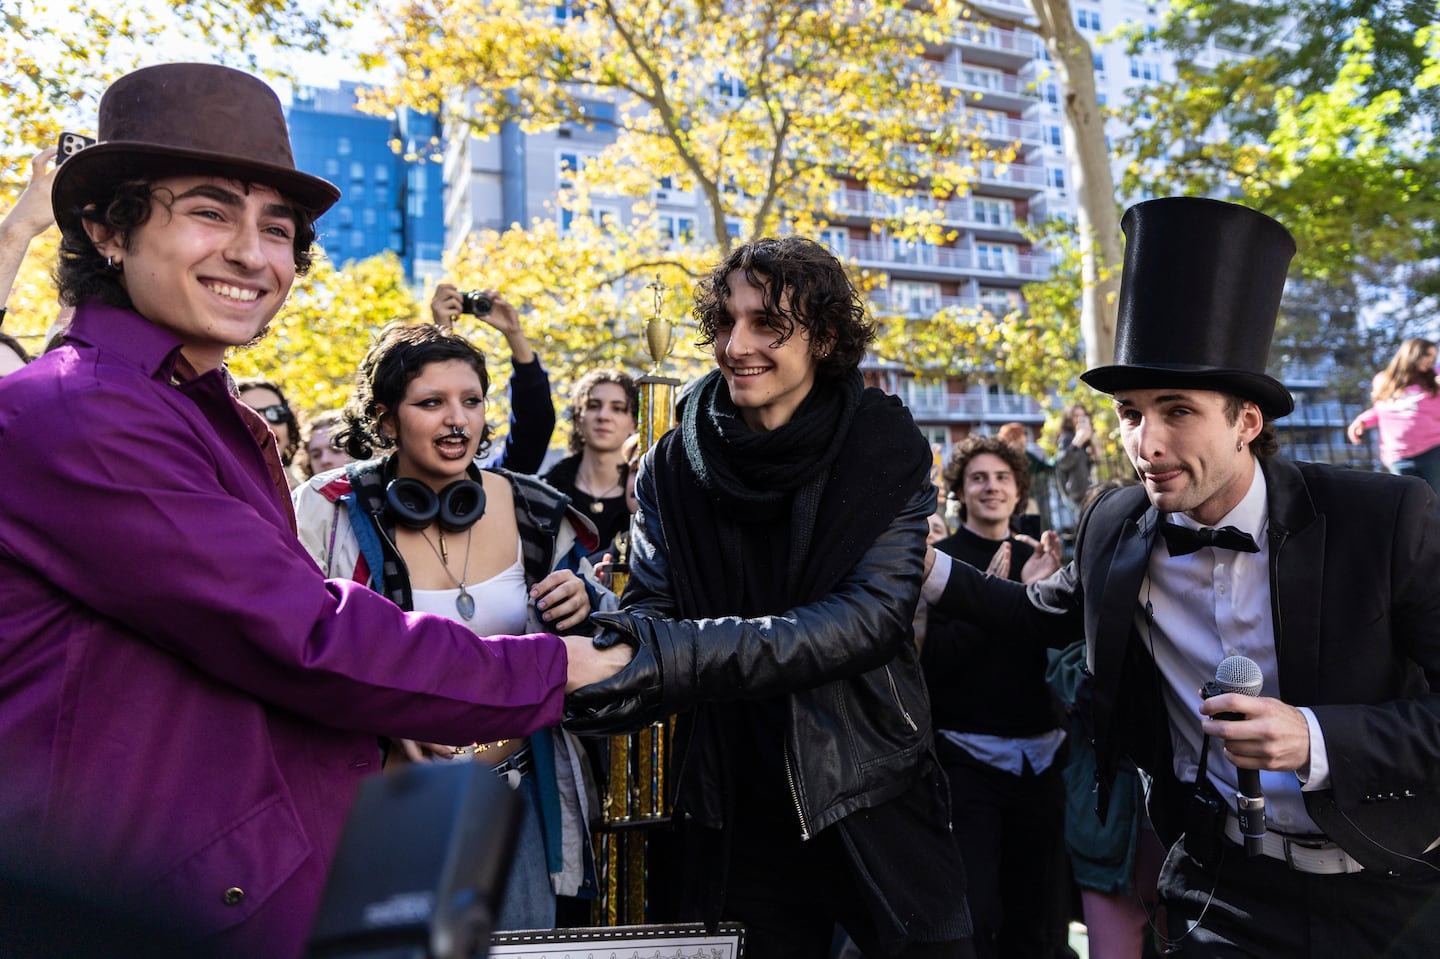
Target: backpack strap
column 543, row 509
column 374, row 533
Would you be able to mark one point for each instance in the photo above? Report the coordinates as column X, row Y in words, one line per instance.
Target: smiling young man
column 995, row 723
column 774, row 570
column 186, row 704
column 1323, row 577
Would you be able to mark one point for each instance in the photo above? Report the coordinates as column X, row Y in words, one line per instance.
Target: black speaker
column 421, row 866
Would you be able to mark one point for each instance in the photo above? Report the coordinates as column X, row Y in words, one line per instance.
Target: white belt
column 1315, row 854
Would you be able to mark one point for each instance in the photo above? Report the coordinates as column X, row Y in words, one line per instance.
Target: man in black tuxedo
column 1328, row 579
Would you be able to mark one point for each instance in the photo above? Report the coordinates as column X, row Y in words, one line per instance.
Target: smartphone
column 70, row 144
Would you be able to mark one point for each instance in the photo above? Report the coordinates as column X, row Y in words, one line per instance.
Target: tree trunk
column 1098, row 222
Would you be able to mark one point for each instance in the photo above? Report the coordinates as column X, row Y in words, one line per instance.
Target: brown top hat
column 183, row 119
column 1199, row 295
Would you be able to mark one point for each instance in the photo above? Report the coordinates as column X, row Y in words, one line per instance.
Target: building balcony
column 919, row 309
column 1307, row 375
column 991, row 223
column 997, row 46
column 1003, row 131
column 991, row 46
column 980, row 407
column 1017, row 9
column 988, row 88
column 1016, row 180
column 926, row 259
column 1326, row 413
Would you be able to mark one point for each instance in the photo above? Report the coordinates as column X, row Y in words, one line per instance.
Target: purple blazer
column 186, row 704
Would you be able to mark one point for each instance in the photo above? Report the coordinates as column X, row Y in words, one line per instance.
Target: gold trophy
column 635, row 791
column 657, row 408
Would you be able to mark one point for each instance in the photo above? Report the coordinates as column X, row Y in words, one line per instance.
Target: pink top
column 1409, row 423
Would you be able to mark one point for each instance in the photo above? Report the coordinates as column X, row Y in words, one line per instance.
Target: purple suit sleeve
column 134, row 506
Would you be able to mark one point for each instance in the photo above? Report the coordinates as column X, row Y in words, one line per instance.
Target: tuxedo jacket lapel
column 1297, row 574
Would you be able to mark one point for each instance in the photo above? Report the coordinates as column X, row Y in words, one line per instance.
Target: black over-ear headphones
column 414, row 505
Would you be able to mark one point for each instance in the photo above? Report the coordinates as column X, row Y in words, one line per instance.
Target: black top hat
column 180, row 119
column 1199, row 295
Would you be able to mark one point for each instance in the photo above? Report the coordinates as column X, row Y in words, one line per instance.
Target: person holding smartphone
column 187, row 705
column 28, row 218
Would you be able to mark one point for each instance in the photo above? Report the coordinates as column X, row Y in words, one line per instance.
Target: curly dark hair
column 287, row 455
column 803, row 285
column 973, row 446
column 398, row 356
column 580, row 395
column 82, row 274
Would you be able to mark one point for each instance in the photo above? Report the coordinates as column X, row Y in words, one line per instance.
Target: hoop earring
column 1239, row 445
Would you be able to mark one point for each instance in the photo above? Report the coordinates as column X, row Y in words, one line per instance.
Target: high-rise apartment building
column 389, row 201
column 514, row 177
column 1002, row 76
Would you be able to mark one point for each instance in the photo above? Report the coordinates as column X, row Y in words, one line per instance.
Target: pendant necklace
column 597, row 503
column 464, row 603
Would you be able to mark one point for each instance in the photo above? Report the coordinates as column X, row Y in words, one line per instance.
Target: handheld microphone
column 1239, row 674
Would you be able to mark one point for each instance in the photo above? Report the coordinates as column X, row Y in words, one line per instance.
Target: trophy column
column 636, row 790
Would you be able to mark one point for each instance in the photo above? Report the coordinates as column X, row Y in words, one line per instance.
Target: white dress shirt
column 1195, row 610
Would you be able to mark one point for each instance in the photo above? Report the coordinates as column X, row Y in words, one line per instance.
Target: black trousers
column 1261, row 907
column 791, row 899
column 1010, row 830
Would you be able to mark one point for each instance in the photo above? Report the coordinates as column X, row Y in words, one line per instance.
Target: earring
column 1239, row 445
column 110, row 262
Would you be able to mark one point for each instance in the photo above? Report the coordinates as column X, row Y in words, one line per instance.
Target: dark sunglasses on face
column 274, row 414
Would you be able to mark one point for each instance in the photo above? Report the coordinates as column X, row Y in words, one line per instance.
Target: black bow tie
column 1182, row 539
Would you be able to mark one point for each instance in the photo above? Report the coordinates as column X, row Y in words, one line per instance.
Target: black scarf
column 756, row 471
column 851, row 456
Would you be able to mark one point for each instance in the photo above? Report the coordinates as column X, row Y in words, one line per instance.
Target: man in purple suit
column 186, row 705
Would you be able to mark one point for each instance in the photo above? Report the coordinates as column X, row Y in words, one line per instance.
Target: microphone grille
column 1239, row 674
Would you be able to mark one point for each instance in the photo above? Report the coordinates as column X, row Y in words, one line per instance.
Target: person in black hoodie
column 775, row 568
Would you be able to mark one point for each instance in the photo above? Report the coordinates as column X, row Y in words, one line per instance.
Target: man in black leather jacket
column 775, row 568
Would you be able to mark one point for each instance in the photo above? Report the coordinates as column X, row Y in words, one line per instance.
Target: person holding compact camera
column 532, row 411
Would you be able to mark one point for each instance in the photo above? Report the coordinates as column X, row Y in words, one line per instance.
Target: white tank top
column 502, row 603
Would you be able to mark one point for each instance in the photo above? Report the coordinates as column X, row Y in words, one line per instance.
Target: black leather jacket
column 859, row 715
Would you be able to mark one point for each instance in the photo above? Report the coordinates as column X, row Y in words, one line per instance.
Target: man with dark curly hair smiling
column 775, row 566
